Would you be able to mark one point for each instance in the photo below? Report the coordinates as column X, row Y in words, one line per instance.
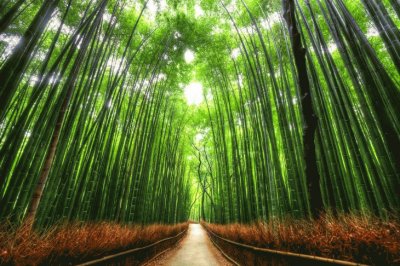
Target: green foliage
column 132, row 150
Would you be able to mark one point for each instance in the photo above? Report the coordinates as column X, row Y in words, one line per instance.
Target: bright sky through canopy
column 189, row 56
column 194, row 93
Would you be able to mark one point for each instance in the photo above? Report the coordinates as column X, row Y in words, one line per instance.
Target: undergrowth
column 360, row 239
column 77, row 242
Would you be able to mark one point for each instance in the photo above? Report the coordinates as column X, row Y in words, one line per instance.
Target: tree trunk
column 69, row 86
column 396, row 7
column 14, row 67
column 44, row 173
column 203, row 212
column 309, row 116
column 6, row 20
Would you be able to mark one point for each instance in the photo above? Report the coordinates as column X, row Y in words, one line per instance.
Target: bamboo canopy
column 228, row 111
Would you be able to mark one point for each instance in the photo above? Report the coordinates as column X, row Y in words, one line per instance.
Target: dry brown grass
column 77, row 242
column 348, row 237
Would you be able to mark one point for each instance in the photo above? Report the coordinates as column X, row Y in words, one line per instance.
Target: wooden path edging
column 242, row 254
column 137, row 256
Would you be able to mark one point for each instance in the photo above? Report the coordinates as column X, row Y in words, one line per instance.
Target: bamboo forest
column 199, row 132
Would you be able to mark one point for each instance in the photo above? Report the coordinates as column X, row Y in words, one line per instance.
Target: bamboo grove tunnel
column 268, row 113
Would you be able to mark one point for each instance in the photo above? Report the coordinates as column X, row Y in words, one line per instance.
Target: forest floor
column 195, row 249
column 77, row 242
column 362, row 239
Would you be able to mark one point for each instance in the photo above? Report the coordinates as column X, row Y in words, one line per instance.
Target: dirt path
column 195, row 249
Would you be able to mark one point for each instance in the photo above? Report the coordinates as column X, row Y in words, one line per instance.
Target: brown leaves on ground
column 77, row 242
column 348, row 237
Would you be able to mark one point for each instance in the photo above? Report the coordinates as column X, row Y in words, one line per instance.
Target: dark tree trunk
column 396, row 7
column 309, row 116
column 14, row 67
column 203, row 212
column 51, row 151
column 8, row 17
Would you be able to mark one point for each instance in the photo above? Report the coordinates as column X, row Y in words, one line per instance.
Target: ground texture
column 195, row 249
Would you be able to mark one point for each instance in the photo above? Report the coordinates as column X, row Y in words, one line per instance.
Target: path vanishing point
column 196, row 249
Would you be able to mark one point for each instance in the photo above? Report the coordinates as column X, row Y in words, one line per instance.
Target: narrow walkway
column 195, row 249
